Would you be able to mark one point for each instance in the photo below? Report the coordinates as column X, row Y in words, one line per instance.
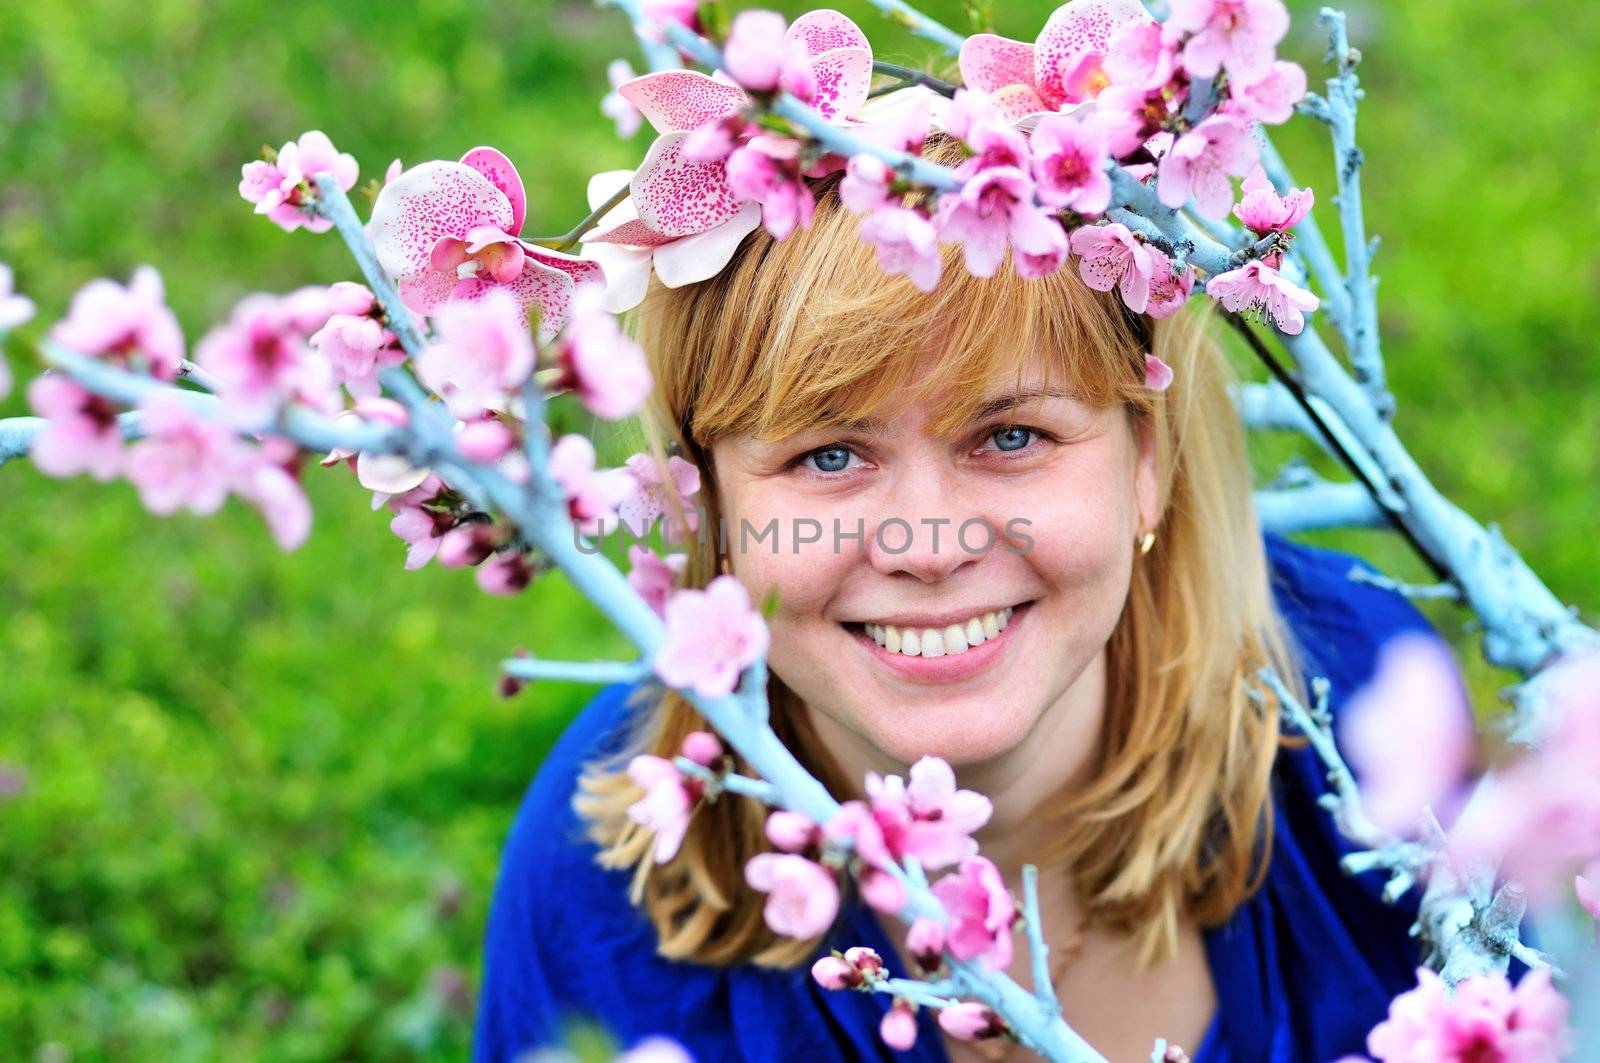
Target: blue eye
column 1012, row 437
column 829, row 459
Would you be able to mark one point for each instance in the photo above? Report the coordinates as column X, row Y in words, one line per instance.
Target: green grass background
column 259, row 796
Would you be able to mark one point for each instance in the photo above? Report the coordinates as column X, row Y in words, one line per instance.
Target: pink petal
column 1075, row 29
column 634, row 233
column 503, row 175
column 844, row 76
column 1015, row 102
column 692, row 259
column 823, row 30
column 581, row 270
column 678, row 198
column 990, row 62
column 676, row 101
column 426, row 202
column 538, row 285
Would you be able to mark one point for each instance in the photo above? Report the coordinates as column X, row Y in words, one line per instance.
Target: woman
column 1189, row 880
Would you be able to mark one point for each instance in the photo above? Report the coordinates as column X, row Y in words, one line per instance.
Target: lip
column 950, row 667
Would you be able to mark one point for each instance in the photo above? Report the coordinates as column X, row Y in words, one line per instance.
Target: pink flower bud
column 793, row 832
column 348, row 297
column 833, row 973
column 968, row 1021
column 468, row 544
column 925, row 942
column 485, row 441
column 702, row 747
column 864, row 960
column 882, row 891
column 899, row 1028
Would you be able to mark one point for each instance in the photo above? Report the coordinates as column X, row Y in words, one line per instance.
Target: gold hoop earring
column 1145, row 542
column 726, row 566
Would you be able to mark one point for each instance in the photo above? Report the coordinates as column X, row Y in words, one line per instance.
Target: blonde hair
column 1176, row 819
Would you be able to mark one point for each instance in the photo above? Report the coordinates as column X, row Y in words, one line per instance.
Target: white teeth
column 940, row 642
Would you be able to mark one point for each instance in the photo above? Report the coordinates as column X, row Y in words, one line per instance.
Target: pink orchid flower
column 981, row 912
column 592, row 496
column 1065, row 65
column 1240, row 36
column 281, row 189
column 682, row 215
column 649, row 498
column 712, row 636
column 802, row 896
column 451, row 231
column 81, row 432
column 1256, row 287
column 1484, row 1019
column 185, row 460
column 1409, row 733
column 1112, row 257
column 654, row 577
column 1263, row 211
column 1201, row 161
column 130, row 324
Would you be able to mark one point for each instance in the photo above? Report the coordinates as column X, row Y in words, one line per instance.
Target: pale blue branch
column 596, row 672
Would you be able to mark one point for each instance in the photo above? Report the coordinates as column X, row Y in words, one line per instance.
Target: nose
column 929, row 530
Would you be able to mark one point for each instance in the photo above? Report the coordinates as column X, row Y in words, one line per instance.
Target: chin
column 961, row 733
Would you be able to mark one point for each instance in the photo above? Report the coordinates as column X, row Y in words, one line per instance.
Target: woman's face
column 1065, row 487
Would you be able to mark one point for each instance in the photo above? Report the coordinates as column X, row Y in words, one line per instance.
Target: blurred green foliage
column 251, row 803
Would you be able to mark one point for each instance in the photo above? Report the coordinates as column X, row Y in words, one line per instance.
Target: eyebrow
column 986, row 408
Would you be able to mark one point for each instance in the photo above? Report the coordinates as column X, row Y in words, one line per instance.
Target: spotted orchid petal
column 1016, row 102
column 824, row 30
column 581, row 270
column 433, row 200
column 676, row 101
column 493, row 164
column 844, row 77
column 542, row 287
column 1072, row 33
column 692, row 259
column 620, row 224
column 990, row 62
column 679, row 198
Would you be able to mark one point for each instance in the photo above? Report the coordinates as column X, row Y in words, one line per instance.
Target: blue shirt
column 1303, row 969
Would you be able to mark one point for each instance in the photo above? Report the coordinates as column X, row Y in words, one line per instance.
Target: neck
column 1021, row 783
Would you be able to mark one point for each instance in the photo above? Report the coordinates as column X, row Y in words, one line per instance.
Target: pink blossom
column 308, row 308
column 786, row 200
column 1069, row 164
column 282, row 189
column 1202, row 160
column 357, row 349
column 929, row 818
column 969, row 1021
column 1139, row 55
column 1240, row 36
column 702, row 747
column 906, row 243
column 761, row 56
column 483, row 353
column 1587, row 887
column 899, row 1027
column 1409, row 733
column 592, row 496
column 422, row 530
column 185, row 460
column 614, row 106
column 1168, row 290
column 1065, row 65
column 833, row 972
column 650, row 497
column 1112, row 257
column 469, row 544
column 132, row 324
column 1264, row 211
column 712, row 636
column 925, row 943
column 1039, row 245
column 16, row 309
column 604, row 368
column 263, row 361
column 993, row 205
column 655, row 577
column 802, row 896
column 450, row 231
column 669, row 798
column 486, row 440
column 1256, row 287
column 882, row 890
column 866, row 183
column 81, row 432
column 981, row 912
column 793, row 832
column 506, row 573
column 1272, row 98
column 267, row 483
column 1485, row 1019
column 1157, row 374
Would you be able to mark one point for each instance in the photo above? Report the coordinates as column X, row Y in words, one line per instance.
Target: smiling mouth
column 974, row 642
